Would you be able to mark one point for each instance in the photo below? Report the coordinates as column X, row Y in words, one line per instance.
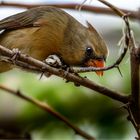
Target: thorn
column 41, row 75
column 119, row 70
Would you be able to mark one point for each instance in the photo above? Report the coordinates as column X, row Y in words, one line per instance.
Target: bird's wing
column 21, row 20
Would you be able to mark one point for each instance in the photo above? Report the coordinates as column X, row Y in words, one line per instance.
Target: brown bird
column 43, row 31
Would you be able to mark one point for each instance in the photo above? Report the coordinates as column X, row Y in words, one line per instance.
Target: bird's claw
column 53, row 60
column 66, row 72
column 15, row 55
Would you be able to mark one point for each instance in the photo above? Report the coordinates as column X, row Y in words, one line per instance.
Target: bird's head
column 96, row 50
column 84, row 47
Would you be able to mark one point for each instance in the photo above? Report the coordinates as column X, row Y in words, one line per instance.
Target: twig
column 49, row 109
column 97, row 10
column 128, row 37
column 114, row 8
column 89, row 69
column 42, row 67
column 132, row 120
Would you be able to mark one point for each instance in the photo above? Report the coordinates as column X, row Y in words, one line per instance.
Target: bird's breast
column 38, row 42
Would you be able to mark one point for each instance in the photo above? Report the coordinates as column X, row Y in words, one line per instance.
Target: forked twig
column 89, row 69
column 44, row 106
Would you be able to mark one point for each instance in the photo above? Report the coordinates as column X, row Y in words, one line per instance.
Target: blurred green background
column 98, row 115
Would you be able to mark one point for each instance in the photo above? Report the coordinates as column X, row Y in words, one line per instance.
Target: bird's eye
column 89, row 51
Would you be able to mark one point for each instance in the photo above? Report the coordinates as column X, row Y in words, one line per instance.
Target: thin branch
column 128, row 36
column 38, row 66
column 132, row 120
column 97, row 10
column 44, row 106
column 89, row 69
column 114, row 8
column 120, row 13
column 42, row 67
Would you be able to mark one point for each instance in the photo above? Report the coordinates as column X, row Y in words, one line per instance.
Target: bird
column 43, row 31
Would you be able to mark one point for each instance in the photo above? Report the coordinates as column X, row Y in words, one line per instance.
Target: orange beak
column 97, row 64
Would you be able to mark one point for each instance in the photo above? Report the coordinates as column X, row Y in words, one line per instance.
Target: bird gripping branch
column 43, row 31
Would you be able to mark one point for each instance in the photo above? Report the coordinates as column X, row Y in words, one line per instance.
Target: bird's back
column 38, row 32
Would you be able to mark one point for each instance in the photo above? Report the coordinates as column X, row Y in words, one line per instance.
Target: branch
column 89, row 69
column 135, row 85
column 49, row 109
column 97, row 10
column 42, row 67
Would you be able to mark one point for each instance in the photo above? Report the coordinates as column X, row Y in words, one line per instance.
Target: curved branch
column 95, row 9
column 89, row 69
column 49, row 109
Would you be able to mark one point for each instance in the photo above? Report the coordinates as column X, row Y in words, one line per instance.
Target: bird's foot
column 54, row 60
column 15, row 55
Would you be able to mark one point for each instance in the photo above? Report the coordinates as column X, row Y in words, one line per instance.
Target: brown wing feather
column 24, row 19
